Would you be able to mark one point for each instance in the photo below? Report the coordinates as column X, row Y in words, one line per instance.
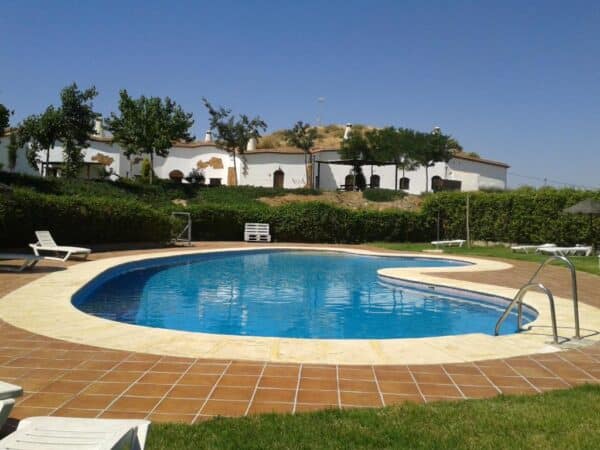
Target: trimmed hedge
column 523, row 216
column 309, row 222
column 78, row 220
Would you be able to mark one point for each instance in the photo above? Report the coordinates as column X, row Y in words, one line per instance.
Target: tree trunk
column 151, row 166
column 308, row 177
column 45, row 169
column 235, row 169
column 426, row 178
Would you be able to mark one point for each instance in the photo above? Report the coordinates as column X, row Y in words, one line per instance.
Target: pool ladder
column 530, row 285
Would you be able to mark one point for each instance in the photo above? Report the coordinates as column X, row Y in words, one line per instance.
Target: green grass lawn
column 555, row 420
column 584, row 263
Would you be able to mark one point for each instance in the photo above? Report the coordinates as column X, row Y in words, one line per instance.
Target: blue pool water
column 300, row 294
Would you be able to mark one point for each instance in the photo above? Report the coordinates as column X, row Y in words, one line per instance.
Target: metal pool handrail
column 518, row 299
column 571, row 267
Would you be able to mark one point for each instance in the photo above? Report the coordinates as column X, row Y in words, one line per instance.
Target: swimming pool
column 287, row 293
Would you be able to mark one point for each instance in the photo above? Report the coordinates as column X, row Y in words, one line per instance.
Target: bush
column 78, row 220
column 382, row 195
column 523, row 215
column 309, row 222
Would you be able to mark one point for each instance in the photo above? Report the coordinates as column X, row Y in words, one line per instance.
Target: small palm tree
column 303, row 136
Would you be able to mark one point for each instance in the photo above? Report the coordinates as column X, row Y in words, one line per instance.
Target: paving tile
column 147, row 390
column 134, row 404
column 318, row 397
column 281, row 371
column 275, row 395
column 232, row 393
column 179, row 406
column 138, row 366
column 189, row 391
column 32, row 384
column 70, row 412
column 106, row 388
column 121, row 376
column 279, row 382
column 393, row 387
column 358, row 386
column 520, row 390
column 360, row 399
column 471, row 380
column 394, row 375
column 266, row 408
column 318, row 372
column 84, row 401
column 22, row 412
column 244, row 369
column 548, row 383
column 159, row 378
column 238, row 380
column 67, row 387
column 171, row 418
column 224, row 408
column 463, row 369
column 309, row 407
column 199, row 379
column 441, row 398
column 447, row 390
column 171, row 367
column 427, row 368
column 97, row 365
column 318, row 384
column 204, row 368
column 537, row 372
column 82, row 375
column 123, row 415
column 46, row 400
column 502, row 381
column 365, row 373
column 432, row 378
column 479, row 391
column 396, row 399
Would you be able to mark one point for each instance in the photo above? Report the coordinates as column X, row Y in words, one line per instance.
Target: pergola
column 353, row 163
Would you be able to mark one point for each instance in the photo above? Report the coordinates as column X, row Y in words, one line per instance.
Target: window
column 404, row 183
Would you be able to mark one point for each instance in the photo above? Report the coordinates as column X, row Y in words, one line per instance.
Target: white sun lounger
column 45, row 433
column 583, row 250
column 6, row 407
column 257, row 232
column 8, row 390
column 451, row 243
column 28, row 261
column 526, row 248
column 45, row 243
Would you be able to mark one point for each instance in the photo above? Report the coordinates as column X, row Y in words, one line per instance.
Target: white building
column 281, row 167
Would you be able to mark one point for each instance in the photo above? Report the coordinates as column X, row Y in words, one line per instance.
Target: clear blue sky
column 514, row 81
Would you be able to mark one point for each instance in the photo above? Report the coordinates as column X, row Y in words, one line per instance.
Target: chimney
column 208, row 136
column 251, row 145
column 348, row 130
column 98, row 127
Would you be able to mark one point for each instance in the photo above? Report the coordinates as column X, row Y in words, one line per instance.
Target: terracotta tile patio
column 66, row 379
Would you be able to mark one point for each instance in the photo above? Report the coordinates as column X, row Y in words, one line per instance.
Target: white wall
column 185, row 159
column 261, row 167
column 488, row 175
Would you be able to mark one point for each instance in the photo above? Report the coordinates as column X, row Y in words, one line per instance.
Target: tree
column 357, row 148
column 303, row 136
column 149, row 125
column 431, row 148
column 77, row 116
column 5, row 114
column 231, row 134
column 40, row 133
column 13, row 147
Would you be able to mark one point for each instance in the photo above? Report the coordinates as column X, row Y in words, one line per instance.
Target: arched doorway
column 278, row 177
column 375, row 181
column 436, row 183
column 404, row 183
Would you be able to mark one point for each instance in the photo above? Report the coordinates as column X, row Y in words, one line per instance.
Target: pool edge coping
column 44, row 307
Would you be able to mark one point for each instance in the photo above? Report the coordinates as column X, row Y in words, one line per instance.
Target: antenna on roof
column 320, row 100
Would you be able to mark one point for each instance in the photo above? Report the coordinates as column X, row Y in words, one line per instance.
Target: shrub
column 523, row 215
column 382, row 195
column 78, row 220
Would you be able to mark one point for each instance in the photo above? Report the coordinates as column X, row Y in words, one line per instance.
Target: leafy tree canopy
column 41, row 133
column 233, row 134
column 149, row 125
column 301, row 136
column 5, row 114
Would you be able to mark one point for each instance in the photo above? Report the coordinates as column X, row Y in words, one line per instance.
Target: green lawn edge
column 568, row 419
column 589, row 264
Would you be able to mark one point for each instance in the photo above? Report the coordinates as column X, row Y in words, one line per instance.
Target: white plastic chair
column 46, row 243
column 257, row 232
column 451, row 243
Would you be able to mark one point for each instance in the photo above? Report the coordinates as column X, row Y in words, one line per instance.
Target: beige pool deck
column 72, row 363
